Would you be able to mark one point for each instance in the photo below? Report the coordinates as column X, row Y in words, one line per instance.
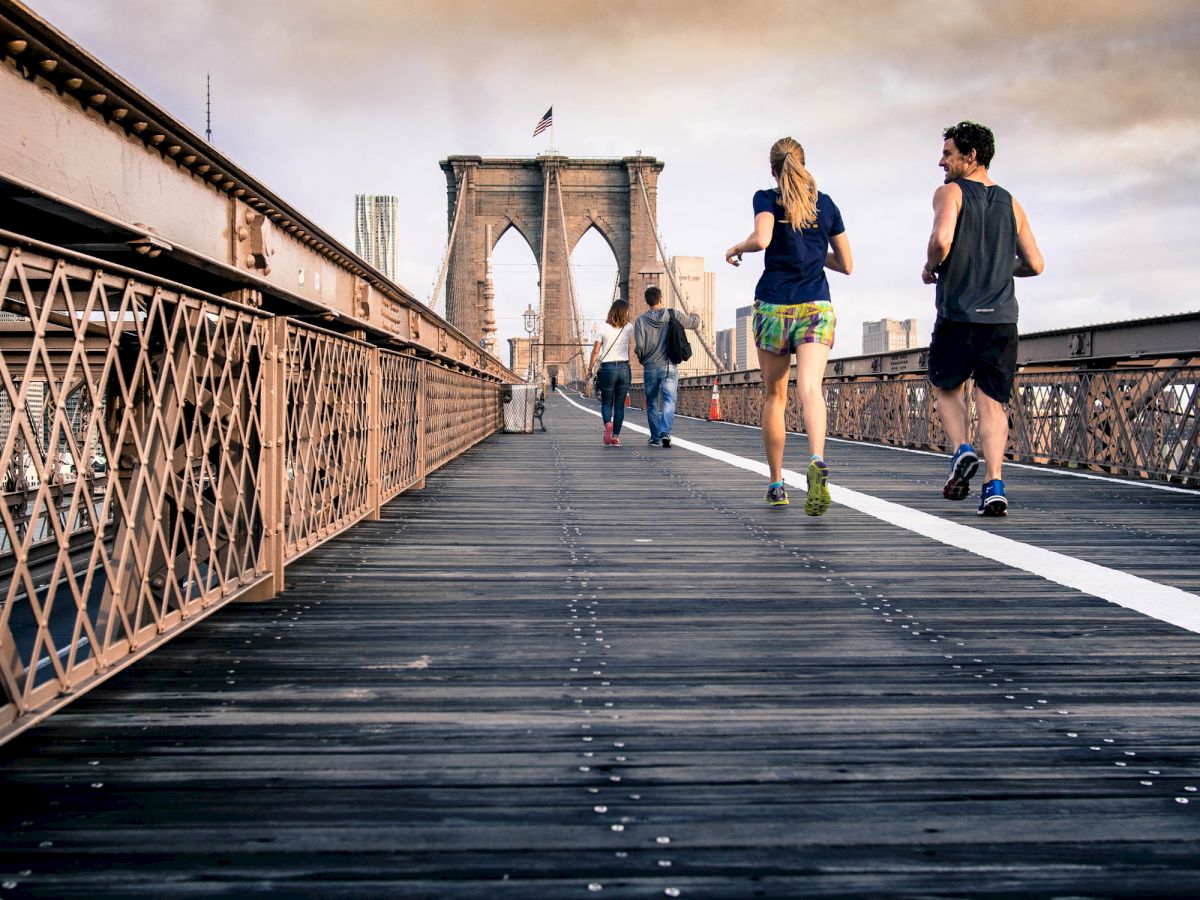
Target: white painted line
column 1159, row 601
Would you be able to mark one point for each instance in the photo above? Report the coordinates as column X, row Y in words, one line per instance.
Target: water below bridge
column 568, row 670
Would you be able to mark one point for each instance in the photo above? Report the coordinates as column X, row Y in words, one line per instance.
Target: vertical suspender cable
column 674, row 281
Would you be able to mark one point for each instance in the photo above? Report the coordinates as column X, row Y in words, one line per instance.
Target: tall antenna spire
column 208, row 107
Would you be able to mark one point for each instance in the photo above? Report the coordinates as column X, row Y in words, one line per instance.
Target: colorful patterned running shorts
column 782, row 327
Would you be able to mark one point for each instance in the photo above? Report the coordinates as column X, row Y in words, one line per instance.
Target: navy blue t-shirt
column 794, row 267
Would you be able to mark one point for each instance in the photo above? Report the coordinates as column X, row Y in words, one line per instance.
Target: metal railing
column 181, row 450
column 1135, row 420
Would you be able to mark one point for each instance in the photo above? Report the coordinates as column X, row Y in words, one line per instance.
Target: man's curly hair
column 968, row 136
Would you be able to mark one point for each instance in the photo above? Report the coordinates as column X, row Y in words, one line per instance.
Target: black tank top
column 975, row 282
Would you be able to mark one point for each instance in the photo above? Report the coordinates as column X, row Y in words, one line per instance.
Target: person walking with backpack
column 657, row 342
column 612, row 381
column 802, row 233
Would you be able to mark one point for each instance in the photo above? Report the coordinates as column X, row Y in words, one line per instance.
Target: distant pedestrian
column 612, row 380
column 981, row 240
column 802, row 233
column 553, row 383
column 660, row 376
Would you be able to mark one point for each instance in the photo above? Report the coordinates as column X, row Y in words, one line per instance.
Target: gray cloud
column 1094, row 105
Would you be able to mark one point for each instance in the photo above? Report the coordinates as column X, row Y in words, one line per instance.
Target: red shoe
column 608, row 436
column 616, row 441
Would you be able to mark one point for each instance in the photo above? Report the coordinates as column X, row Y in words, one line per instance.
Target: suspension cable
column 576, row 320
column 437, row 286
column 671, row 274
column 537, row 336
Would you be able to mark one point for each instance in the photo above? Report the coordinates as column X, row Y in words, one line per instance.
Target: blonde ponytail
column 797, row 187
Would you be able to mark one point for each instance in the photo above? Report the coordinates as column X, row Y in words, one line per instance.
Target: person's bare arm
column 1029, row 260
column 759, row 239
column 595, row 353
column 839, row 258
column 947, row 201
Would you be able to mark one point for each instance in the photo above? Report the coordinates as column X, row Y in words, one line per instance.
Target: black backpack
column 678, row 349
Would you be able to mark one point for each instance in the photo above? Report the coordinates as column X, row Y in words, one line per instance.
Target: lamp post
column 531, row 318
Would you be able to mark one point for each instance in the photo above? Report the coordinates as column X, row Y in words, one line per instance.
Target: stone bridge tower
column 552, row 201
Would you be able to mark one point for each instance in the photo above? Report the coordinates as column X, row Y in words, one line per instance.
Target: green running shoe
column 817, row 500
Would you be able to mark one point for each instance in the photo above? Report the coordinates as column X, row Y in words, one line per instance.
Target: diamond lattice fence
column 131, row 443
column 328, row 380
column 1142, row 422
column 163, row 451
column 460, row 411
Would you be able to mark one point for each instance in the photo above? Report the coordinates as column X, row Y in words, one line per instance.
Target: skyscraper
column 700, row 289
column 724, row 348
column 745, row 356
column 375, row 231
column 889, row 334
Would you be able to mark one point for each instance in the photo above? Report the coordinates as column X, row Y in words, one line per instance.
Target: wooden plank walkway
column 566, row 670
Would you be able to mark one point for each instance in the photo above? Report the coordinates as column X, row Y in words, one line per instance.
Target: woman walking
column 802, row 233
column 614, row 376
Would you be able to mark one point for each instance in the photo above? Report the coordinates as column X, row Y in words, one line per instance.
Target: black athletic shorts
column 962, row 350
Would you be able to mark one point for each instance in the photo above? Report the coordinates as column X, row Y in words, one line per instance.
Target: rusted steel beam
column 82, row 143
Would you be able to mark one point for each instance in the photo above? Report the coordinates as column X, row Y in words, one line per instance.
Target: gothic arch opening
column 515, row 282
column 594, row 269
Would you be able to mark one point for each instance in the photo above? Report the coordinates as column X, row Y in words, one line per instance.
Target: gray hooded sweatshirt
column 650, row 335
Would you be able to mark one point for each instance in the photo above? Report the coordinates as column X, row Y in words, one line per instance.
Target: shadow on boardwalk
column 566, row 670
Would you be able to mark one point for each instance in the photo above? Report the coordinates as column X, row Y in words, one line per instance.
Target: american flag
column 546, row 121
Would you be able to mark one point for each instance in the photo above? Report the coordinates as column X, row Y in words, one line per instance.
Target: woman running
column 614, row 376
column 802, row 233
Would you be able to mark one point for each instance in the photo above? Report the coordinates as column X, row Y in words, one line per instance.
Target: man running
column 981, row 240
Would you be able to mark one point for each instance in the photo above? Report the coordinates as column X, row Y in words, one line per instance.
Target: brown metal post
column 274, row 467
column 420, row 432
column 375, row 436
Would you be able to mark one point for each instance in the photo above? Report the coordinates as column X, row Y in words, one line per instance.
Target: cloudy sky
column 1095, row 105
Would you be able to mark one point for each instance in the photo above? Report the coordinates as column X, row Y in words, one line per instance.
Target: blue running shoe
column 963, row 467
column 777, row 494
column 992, row 501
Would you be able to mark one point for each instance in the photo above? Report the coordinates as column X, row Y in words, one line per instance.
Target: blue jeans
column 662, row 386
column 613, row 381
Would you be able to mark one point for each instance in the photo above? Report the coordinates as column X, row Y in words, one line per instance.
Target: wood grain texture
column 526, row 675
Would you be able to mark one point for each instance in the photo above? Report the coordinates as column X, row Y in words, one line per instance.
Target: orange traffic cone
column 714, row 405
column 628, row 402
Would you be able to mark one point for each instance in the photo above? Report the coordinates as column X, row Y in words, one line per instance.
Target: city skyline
column 1092, row 141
